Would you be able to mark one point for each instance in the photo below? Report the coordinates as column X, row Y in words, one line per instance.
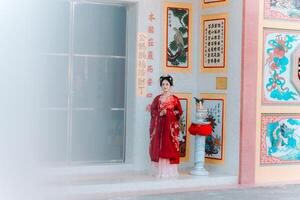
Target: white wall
column 235, row 11
column 195, row 82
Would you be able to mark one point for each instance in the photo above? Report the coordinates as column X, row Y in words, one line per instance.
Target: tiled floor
column 283, row 192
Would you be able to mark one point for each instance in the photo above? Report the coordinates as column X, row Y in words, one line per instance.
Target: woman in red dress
column 164, row 130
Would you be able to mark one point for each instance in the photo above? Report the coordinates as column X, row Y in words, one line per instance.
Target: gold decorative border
column 213, row 17
column 187, row 96
column 165, row 11
column 205, row 4
column 207, row 96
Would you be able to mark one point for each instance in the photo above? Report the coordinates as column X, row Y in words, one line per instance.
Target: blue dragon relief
column 289, row 8
column 283, row 139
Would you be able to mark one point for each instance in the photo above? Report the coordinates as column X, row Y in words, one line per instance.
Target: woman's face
column 165, row 86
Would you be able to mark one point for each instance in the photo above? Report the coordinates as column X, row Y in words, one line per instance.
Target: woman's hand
column 163, row 112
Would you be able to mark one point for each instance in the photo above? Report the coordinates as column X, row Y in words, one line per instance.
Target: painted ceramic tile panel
column 280, row 139
column 183, row 127
column 184, row 123
column 279, row 50
column 298, row 69
column 213, row 3
column 214, row 43
column 214, row 143
column 178, row 37
column 282, row 9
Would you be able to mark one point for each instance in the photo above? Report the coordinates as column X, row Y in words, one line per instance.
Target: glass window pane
column 89, row 79
column 100, row 29
column 98, row 109
column 116, row 82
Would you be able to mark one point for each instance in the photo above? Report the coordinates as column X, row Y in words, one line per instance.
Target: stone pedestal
column 199, row 157
column 200, row 128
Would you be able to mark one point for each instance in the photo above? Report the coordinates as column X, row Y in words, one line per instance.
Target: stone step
column 132, row 183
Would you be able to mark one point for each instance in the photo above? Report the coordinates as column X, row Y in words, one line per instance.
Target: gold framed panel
column 215, row 145
column 177, row 37
column 185, row 122
column 213, row 3
column 213, row 44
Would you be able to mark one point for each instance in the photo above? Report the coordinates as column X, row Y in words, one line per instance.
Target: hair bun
column 166, row 77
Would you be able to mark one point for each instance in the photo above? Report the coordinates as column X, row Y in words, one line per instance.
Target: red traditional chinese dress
column 164, row 131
